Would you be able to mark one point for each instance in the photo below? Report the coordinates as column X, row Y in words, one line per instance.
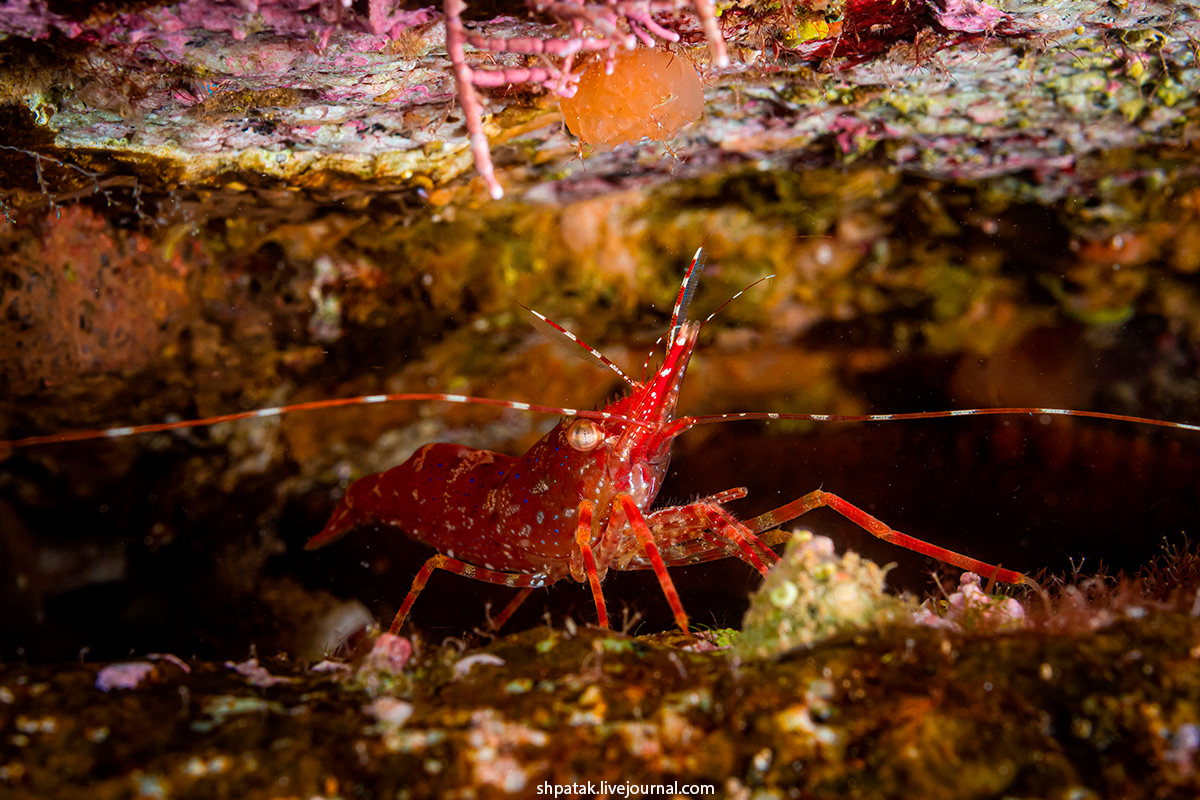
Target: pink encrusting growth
column 610, row 26
column 124, row 675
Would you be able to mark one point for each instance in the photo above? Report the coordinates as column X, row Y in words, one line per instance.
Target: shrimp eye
column 584, row 435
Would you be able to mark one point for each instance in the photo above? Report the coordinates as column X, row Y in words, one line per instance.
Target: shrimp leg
column 439, row 561
column 873, row 526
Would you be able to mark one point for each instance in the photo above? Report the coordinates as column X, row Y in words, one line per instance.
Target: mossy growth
column 813, row 594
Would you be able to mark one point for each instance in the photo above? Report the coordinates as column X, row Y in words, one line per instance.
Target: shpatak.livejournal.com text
column 605, row 788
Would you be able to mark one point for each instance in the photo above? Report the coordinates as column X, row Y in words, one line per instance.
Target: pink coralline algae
column 967, row 16
column 257, row 675
column 238, row 46
column 389, row 711
column 170, row 26
column 971, row 608
column 463, row 666
column 382, row 670
column 389, row 654
column 1184, row 750
column 126, row 675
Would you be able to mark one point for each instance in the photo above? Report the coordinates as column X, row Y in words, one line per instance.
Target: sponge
column 649, row 93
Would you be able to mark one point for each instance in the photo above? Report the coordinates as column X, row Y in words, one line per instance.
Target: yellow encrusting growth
column 649, row 93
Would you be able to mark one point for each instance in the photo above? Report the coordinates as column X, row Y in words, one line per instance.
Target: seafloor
column 211, row 207
column 1091, row 708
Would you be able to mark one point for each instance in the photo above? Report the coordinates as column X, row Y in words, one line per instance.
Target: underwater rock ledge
column 901, row 713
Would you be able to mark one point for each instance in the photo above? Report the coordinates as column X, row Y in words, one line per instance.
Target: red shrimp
column 578, row 502
column 575, row 504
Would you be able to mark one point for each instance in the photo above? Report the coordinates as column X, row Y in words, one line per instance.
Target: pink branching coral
column 596, row 27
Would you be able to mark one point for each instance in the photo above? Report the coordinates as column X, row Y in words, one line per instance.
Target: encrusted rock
column 813, row 594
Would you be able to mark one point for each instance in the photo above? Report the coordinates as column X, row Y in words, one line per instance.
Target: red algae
column 649, row 93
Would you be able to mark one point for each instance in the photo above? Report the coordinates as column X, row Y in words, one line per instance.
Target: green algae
column 813, row 594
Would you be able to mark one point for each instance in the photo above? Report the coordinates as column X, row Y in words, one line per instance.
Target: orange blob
column 650, row 93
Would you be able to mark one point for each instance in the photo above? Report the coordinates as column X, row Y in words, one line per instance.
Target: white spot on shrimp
column 541, row 517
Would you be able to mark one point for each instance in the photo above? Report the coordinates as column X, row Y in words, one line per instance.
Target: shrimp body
column 521, row 516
